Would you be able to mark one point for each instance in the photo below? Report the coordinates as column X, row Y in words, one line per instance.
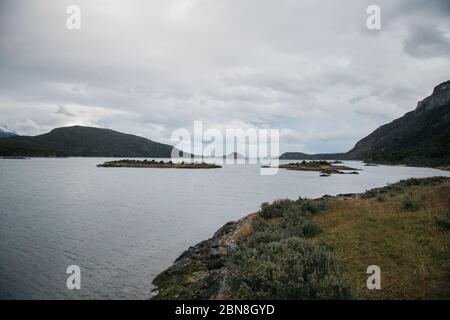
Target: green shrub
column 369, row 194
column 276, row 209
column 266, row 236
column 263, row 232
column 297, row 223
column 302, row 206
column 444, row 221
column 292, row 268
column 276, row 261
column 313, row 206
column 409, row 203
column 310, row 229
column 422, row 181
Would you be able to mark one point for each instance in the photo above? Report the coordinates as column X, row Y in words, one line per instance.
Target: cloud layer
column 310, row 68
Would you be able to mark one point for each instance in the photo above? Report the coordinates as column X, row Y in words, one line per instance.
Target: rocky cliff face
column 421, row 137
column 439, row 97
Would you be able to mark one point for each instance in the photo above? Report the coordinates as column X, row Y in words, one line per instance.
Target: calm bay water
column 123, row 226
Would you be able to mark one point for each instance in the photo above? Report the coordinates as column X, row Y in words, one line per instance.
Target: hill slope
column 83, row 142
column 420, row 137
column 306, row 156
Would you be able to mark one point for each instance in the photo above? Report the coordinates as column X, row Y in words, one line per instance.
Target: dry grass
column 245, row 228
column 411, row 249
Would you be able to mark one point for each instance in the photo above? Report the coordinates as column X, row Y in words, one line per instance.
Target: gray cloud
column 435, row 7
column 62, row 110
column 427, row 41
column 310, row 68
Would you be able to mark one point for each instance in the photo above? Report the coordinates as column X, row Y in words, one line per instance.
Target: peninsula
column 320, row 249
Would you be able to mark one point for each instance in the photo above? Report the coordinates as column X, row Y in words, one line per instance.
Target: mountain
column 234, row 155
column 4, row 133
column 84, row 142
column 420, row 137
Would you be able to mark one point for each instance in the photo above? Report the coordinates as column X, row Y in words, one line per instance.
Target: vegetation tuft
column 410, row 203
column 292, row 268
column 444, row 221
column 280, row 260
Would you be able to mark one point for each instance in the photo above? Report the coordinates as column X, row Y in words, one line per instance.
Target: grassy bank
column 404, row 229
column 320, row 249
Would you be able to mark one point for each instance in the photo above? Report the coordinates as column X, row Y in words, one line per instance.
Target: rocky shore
column 200, row 271
column 316, row 248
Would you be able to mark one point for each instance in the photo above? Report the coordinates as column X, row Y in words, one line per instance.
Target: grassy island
column 321, row 248
column 157, row 164
column 324, row 167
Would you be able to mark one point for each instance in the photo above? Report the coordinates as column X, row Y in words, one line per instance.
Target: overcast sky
column 310, row 68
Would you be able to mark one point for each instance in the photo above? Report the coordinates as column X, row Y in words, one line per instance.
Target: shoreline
column 369, row 163
column 204, row 270
column 205, row 260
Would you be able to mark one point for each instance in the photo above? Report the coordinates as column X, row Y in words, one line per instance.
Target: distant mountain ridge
column 421, row 137
column 306, row 156
column 4, row 133
column 79, row 141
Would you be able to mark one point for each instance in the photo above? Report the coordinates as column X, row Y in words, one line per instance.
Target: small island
column 128, row 163
column 368, row 164
column 324, row 167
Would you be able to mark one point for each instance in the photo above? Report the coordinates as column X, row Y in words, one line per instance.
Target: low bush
column 277, row 260
column 444, row 221
column 422, row 181
column 292, row 268
column 301, row 206
column 295, row 224
column 409, row 203
column 313, row 206
column 276, row 209
column 263, row 232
